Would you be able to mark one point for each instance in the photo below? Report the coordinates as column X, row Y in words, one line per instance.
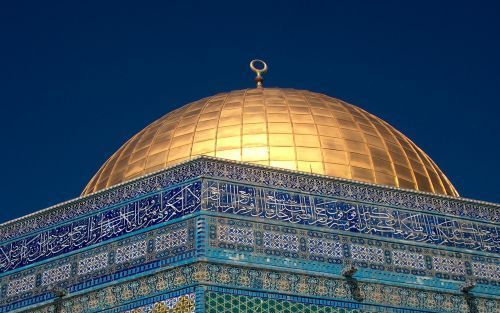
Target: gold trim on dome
column 285, row 128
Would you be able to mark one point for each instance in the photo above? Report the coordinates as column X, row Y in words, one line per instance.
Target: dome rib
column 287, row 128
column 365, row 115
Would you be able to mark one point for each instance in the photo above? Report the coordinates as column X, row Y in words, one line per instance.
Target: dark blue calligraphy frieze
column 243, row 173
column 65, row 212
column 307, row 209
column 152, row 210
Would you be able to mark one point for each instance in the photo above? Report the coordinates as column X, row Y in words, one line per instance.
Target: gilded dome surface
column 285, row 128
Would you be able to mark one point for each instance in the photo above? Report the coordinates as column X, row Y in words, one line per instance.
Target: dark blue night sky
column 77, row 79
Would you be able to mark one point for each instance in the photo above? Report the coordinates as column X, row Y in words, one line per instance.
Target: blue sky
column 77, row 79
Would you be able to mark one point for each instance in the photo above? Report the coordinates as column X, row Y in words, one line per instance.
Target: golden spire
column 258, row 79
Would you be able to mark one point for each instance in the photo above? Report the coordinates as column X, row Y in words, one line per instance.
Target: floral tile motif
column 292, row 285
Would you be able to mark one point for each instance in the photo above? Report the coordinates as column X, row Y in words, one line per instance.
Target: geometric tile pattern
column 328, row 248
column 448, row 265
column 227, row 303
column 486, row 270
column 408, row 259
column 57, row 274
column 131, row 252
column 93, row 263
column 278, row 241
column 230, row 234
column 171, row 240
column 180, row 304
column 21, row 285
column 367, row 254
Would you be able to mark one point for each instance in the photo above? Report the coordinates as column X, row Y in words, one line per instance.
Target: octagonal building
column 259, row 200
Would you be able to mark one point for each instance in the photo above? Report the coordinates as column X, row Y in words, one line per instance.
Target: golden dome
column 285, row 128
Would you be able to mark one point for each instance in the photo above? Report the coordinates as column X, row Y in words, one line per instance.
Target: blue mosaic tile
column 140, row 214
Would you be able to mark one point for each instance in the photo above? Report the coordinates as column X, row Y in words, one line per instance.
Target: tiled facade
column 269, row 284
column 229, row 303
column 214, row 235
column 328, row 252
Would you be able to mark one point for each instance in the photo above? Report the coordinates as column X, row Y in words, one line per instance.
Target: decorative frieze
column 254, row 174
column 312, row 210
column 270, row 243
column 94, row 267
column 366, row 296
column 140, row 214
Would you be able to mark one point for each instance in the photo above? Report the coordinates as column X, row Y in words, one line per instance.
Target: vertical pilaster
column 200, row 299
